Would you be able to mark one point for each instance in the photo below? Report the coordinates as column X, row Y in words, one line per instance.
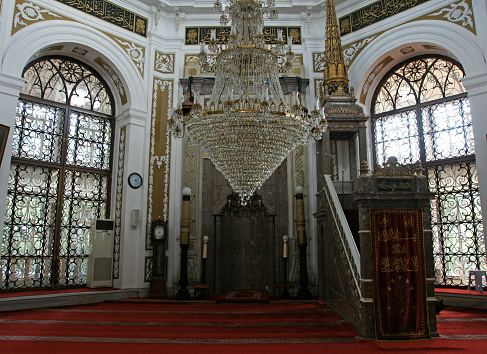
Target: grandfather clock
column 158, row 279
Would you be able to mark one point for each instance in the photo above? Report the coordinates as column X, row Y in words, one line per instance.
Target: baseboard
column 67, row 299
column 462, row 300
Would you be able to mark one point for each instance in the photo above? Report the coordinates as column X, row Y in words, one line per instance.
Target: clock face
column 135, row 180
column 159, row 232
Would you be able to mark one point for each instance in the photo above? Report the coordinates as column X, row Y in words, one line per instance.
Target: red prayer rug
column 399, row 274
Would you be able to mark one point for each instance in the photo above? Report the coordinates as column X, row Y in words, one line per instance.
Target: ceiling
column 283, row 6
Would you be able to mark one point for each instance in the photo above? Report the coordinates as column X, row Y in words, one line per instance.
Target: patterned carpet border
column 187, row 312
column 178, row 324
column 214, row 341
column 476, row 319
column 180, row 341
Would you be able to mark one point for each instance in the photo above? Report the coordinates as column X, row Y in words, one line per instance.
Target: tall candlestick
column 284, row 249
column 185, row 216
column 205, row 247
column 303, row 293
column 183, row 293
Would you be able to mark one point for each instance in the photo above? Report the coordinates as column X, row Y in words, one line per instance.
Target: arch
column 24, row 45
column 458, row 42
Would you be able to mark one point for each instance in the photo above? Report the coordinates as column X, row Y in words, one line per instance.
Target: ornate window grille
column 59, row 176
column 421, row 112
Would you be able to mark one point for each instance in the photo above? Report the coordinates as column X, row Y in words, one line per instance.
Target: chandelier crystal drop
column 246, row 128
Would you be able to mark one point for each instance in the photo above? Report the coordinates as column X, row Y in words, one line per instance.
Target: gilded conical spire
column 336, row 76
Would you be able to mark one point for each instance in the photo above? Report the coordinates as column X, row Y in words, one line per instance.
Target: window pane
column 397, row 135
column 89, row 141
column 419, row 81
column 457, row 222
column 448, row 130
column 67, row 82
column 38, row 131
column 29, row 226
column 442, row 80
column 44, row 80
column 85, row 197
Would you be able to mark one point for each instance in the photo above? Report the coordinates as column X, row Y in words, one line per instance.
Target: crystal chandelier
column 246, row 128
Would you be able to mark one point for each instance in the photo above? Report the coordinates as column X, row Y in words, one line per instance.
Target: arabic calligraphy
column 196, row 35
column 112, row 13
column 375, row 12
column 399, row 264
column 394, row 185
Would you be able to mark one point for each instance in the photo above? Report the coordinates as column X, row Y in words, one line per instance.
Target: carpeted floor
column 147, row 325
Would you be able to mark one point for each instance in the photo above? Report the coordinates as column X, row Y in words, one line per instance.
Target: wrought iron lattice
column 89, row 141
column 65, row 81
column 447, row 130
column 402, row 143
column 422, row 113
column 59, row 178
column 29, row 226
column 418, row 81
column 85, row 197
column 38, row 131
column 456, row 222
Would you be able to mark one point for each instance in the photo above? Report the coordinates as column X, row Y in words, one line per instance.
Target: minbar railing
column 345, row 238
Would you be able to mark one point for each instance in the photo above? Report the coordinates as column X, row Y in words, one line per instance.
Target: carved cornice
column 204, row 85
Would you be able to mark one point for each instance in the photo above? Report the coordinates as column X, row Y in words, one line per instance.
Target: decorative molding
column 109, row 12
column 319, row 87
column 118, row 201
column 147, row 269
column 318, row 62
column 343, row 110
column 334, row 160
column 195, row 35
column 115, row 78
column 27, row 13
column 370, row 79
column 374, row 13
column 160, row 149
column 159, row 12
column 459, row 13
column 164, row 63
column 299, row 168
column 211, row 63
column 351, row 51
column 135, row 52
column 177, row 21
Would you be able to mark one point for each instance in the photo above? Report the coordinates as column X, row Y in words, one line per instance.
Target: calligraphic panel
column 196, row 35
column 111, row 13
column 394, row 185
column 399, row 274
column 374, row 13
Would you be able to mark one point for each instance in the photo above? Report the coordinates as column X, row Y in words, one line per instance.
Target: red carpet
column 147, row 326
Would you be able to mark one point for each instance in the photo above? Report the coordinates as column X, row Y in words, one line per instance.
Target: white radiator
column 100, row 260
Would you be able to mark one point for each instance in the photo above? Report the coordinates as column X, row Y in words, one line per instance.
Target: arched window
column 421, row 112
column 59, row 176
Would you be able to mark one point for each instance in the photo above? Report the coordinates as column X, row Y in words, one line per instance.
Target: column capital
column 11, row 85
column 132, row 116
column 476, row 84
